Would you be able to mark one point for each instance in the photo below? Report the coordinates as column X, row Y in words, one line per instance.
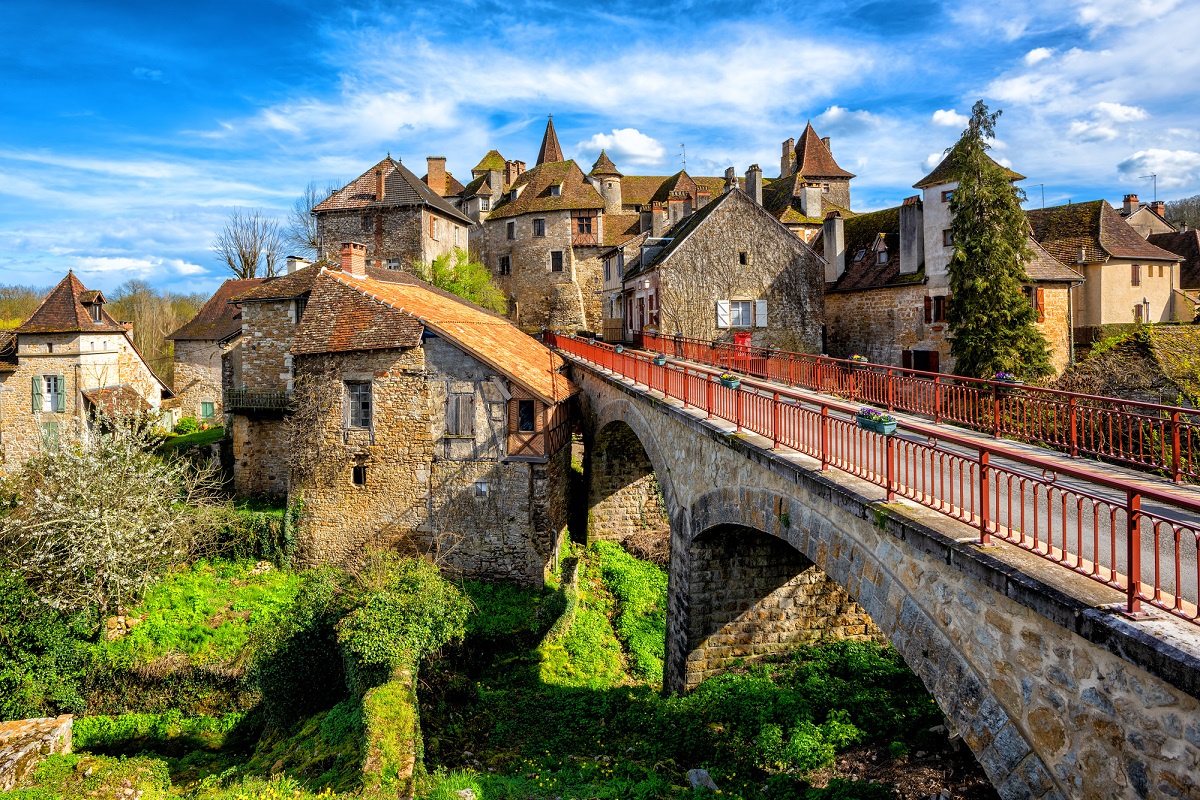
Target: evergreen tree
column 991, row 320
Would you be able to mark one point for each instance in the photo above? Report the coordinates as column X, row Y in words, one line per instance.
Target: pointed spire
column 551, row 151
column 604, row 166
column 814, row 159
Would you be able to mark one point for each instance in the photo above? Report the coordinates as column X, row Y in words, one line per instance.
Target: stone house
column 888, row 282
column 1184, row 243
column 402, row 220
column 1129, row 281
column 423, row 422
column 810, row 185
column 729, row 268
column 67, row 362
column 1145, row 218
column 202, row 346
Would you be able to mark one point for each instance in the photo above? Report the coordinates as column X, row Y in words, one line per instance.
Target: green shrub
column 185, row 426
column 105, row 732
column 640, row 589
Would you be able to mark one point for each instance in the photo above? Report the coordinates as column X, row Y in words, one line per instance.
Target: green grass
column 88, row 733
column 640, row 589
column 209, row 436
column 589, row 654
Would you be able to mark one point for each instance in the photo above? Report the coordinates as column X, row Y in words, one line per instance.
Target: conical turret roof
column 604, row 167
column 813, row 158
column 551, row 150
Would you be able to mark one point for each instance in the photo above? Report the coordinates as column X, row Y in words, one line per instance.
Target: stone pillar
column 623, row 494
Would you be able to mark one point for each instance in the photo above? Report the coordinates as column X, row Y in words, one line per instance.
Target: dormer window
column 881, row 257
column 512, row 195
column 556, row 190
column 485, row 203
column 97, row 314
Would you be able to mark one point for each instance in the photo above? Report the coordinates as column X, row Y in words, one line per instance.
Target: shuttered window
column 740, row 313
column 207, row 409
column 460, row 414
column 722, row 313
column 760, row 313
column 49, row 393
column 1135, row 276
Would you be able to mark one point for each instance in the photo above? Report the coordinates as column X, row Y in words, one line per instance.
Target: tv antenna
column 1154, row 177
column 683, row 155
column 1042, row 186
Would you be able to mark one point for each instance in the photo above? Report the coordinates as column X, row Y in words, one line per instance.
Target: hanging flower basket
column 875, row 421
column 619, row 349
column 592, row 340
column 659, row 360
column 729, row 380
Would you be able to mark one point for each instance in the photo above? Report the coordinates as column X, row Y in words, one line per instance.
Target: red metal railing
column 1150, row 436
column 1143, row 541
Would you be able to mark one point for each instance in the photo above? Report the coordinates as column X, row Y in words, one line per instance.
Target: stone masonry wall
column 269, row 329
column 260, row 456
column 1056, row 325
column 397, row 233
column 198, row 376
column 881, row 323
column 753, row 595
column 25, row 743
column 623, row 494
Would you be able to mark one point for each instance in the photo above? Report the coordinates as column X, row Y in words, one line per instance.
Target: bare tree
column 302, row 232
column 1186, row 209
column 250, row 244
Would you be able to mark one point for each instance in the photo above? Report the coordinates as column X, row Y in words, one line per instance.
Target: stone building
column 1129, row 281
column 888, row 282
column 203, row 344
column 423, row 422
column 1145, row 218
column 810, row 185
column 730, row 267
column 402, row 220
column 67, row 362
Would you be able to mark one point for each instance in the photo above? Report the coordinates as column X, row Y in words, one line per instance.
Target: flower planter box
column 659, row 361
column 730, row 383
column 619, row 349
column 875, row 426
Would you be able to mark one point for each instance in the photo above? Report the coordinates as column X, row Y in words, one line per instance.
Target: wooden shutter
column 760, row 313
column 722, row 313
column 37, row 393
column 60, row 392
column 1041, row 304
column 934, row 357
column 928, row 309
column 906, row 359
column 460, row 415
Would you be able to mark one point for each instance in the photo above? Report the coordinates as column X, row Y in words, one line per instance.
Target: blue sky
column 129, row 130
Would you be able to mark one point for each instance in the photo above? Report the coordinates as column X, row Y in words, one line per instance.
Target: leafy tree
column 250, row 244
column 468, row 279
column 1185, row 209
column 991, row 321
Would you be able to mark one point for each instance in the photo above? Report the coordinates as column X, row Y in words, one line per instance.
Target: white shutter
column 722, row 313
column 760, row 313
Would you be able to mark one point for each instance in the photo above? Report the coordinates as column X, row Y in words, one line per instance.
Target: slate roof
column 1045, row 268
column 1186, row 245
column 943, row 172
column 280, row 287
column 604, row 166
column 1096, row 228
column 781, row 197
column 63, row 311
column 348, row 312
column 218, row 319
column 114, row 400
column 401, row 188
column 477, row 186
column 550, row 150
column 493, row 161
column 453, row 187
column 576, row 194
column 863, row 235
column 813, row 158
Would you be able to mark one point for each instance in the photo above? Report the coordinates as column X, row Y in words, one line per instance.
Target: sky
column 130, row 130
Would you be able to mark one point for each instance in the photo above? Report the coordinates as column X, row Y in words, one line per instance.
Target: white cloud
column 843, row 121
column 1121, row 113
column 147, row 74
column 1038, row 54
column 625, row 146
column 931, row 161
column 950, row 118
column 1101, row 14
column 1175, row 168
column 136, row 267
column 1086, row 131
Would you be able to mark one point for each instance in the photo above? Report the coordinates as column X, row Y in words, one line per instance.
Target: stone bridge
column 1056, row 695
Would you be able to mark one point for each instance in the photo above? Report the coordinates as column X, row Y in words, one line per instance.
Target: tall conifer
column 991, row 320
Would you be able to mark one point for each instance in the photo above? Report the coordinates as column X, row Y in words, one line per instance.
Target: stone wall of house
column 1056, row 324
column 881, row 323
column 398, row 234
column 260, row 456
column 762, row 597
column 269, row 328
column 198, row 376
column 623, row 493
column 25, row 743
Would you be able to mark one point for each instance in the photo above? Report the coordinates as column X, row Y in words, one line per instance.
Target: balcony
column 257, row 401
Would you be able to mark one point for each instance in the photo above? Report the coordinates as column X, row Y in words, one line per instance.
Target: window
column 49, row 347
column 96, row 313
column 921, row 360
column 946, row 196
column 556, row 262
column 620, row 263
column 525, row 416
column 936, row 308
column 1135, row 278
column 393, row 263
column 366, row 222
column 485, row 203
column 881, row 256
column 481, row 489
column 208, row 409
column 741, row 314
column 511, row 231
column 583, row 224
column 359, row 475
column 539, row 227
column 825, row 188
column 742, row 258
column 460, row 414
column 48, row 393
column 358, row 404
column 607, row 269
column 301, row 304
column 556, row 190
column 505, row 265
column 947, row 238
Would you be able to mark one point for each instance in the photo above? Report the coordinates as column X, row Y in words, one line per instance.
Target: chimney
column 296, row 262
column 1130, row 205
column 679, row 205
column 658, row 219
column 754, row 183
column 354, row 258
column 834, row 234
column 379, row 186
column 1160, row 208
column 810, row 201
column 825, row 141
column 510, row 172
column 702, row 198
column 437, row 174
column 730, row 179
column 912, row 236
column 787, row 161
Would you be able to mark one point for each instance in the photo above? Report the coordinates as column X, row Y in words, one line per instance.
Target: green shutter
column 37, row 392
column 60, row 397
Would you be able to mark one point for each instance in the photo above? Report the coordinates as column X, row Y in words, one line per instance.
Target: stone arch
column 959, row 690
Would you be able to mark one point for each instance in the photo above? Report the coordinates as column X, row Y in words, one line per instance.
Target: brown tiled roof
column 944, row 171
column 453, row 187
column 1186, row 245
column 217, row 319
column 355, row 312
column 8, row 351
column 781, row 197
column 401, row 188
column 1096, row 228
column 862, row 237
column 639, row 190
column 619, row 228
column 813, row 159
column 1044, row 267
column 493, row 161
column 117, row 400
column 281, row 287
column 63, row 311
column 477, row 186
column 550, row 150
column 604, row 166
column 535, row 195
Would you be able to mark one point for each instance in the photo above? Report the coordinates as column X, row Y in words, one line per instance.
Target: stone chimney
column 754, row 183
column 658, row 219
column 437, row 174
column 354, row 258
column 730, row 179
column 834, row 234
column 810, row 201
column 679, row 205
column 1130, row 205
column 825, row 141
column 380, row 189
column 512, row 169
column 296, row 262
column 702, row 198
column 912, row 235
column 1160, row 208
column 787, row 162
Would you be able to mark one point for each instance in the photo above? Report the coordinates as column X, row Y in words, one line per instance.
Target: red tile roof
column 217, row 319
column 8, row 351
column 63, row 311
column 117, row 400
column 550, row 150
column 1093, row 229
column 813, row 158
column 401, row 188
column 280, row 287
